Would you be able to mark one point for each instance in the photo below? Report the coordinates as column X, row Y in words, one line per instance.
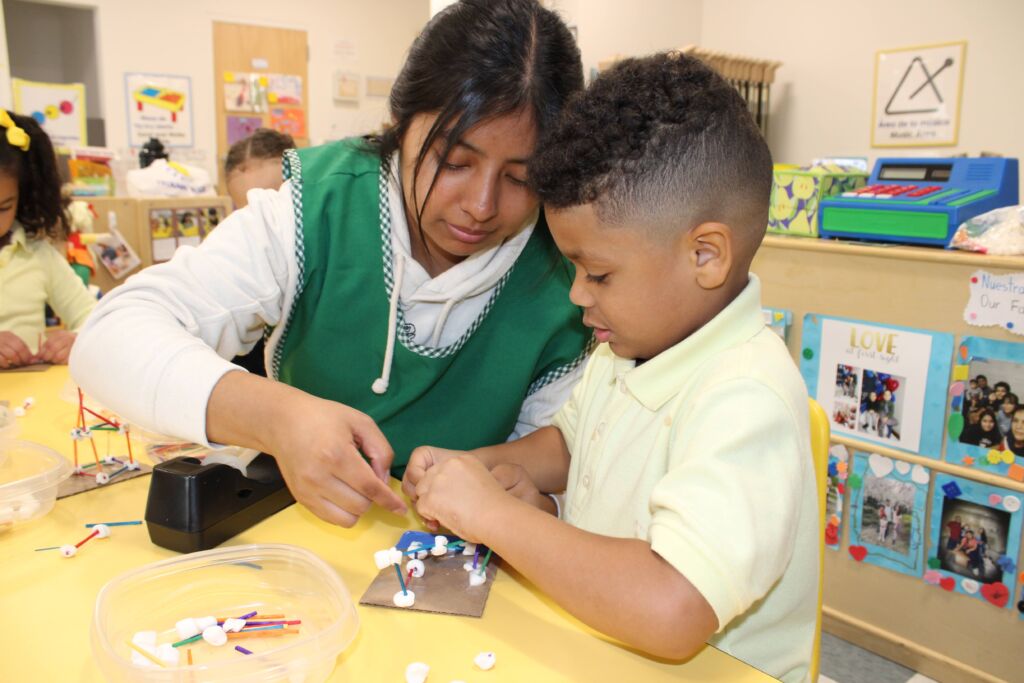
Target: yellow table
column 46, row 601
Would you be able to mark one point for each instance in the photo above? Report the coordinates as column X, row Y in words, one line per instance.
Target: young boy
column 690, row 511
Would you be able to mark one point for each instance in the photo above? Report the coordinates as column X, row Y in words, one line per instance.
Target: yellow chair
column 820, row 437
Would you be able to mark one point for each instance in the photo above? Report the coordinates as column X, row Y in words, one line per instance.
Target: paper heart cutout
column 919, row 475
column 970, row 586
column 831, row 535
column 994, row 499
column 902, row 467
column 947, row 583
column 858, row 552
column 1011, row 503
column 996, row 593
column 956, row 389
column 880, row 465
column 933, row 577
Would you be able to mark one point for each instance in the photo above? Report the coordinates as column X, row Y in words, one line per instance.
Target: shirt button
column 622, row 385
column 586, row 481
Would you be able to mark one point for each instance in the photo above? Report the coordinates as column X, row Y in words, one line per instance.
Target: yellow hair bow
column 16, row 136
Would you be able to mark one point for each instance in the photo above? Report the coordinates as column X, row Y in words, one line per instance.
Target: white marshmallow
column 441, row 540
column 406, row 599
column 395, row 556
column 168, row 654
column 144, row 638
column 19, row 412
column 134, row 466
column 468, row 566
column 421, row 554
column 382, row 558
column 469, row 549
column 485, row 661
column 68, row 550
column 187, row 628
column 104, row 532
column 232, row 625
column 102, row 478
column 215, row 635
column 416, row 672
column 29, row 402
column 28, row 506
column 205, row 622
column 416, row 567
column 440, row 546
column 477, row 578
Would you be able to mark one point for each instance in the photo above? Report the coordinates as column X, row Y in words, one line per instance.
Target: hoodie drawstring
column 380, row 385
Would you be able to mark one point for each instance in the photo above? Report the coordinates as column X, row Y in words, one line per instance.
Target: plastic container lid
column 268, row 579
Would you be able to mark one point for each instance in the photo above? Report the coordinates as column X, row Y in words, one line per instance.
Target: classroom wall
column 821, row 103
column 609, row 27
column 176, row 38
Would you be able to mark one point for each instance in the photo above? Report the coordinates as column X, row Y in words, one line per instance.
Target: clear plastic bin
column 268, row 579
column 29, row 476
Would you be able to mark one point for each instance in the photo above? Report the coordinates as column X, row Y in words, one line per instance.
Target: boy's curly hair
column 656, row 139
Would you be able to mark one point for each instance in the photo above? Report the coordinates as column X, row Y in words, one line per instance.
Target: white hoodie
column 156, row 346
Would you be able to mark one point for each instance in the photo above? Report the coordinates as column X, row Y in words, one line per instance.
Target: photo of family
column 115, row 254
column 881, row 405
column 887, row 516
column 993, row 415
column 972, row 538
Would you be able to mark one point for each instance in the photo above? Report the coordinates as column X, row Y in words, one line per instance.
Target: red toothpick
column 92, row 535
column 408, row 581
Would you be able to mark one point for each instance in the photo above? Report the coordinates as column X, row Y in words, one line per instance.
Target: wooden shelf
column 895, row 251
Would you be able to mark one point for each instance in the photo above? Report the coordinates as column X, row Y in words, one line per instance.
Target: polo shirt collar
column 18, row 241
column 653, row 383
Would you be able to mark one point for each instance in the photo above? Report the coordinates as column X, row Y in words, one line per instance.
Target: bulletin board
column 260, row 80
column 943, row 634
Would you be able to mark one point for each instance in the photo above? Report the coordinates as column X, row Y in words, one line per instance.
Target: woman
column 412, row 291
column 1015, row 439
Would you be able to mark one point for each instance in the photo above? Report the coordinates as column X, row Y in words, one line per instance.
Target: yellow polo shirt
column 33, row 274
column 704, row 451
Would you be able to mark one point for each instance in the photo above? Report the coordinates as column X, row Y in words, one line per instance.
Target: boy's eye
column 521, row 182
column 596, row 279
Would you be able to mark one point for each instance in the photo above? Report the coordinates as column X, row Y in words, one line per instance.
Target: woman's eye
column 521, row 182
column 597, row 279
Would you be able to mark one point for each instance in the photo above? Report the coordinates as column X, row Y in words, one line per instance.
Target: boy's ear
column 711, row 253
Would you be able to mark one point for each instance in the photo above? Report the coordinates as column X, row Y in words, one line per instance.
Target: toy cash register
column 920, row 201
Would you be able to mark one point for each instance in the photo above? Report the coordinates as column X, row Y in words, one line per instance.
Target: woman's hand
column 56, row 348
column 320, row 447
column 13, row 351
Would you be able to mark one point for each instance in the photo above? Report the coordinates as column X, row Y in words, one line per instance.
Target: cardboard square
column 76, row 484
column 443, row 589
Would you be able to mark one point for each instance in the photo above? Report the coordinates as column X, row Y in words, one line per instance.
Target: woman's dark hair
column 264, row 143
column 477, row 60
column 40, row 203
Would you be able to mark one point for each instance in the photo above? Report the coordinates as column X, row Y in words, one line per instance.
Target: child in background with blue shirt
column 684, row 451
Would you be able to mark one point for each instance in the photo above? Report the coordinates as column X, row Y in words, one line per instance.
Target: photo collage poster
column 880, row 383
column 975, row 539
column 986, row 415
column 888, row 501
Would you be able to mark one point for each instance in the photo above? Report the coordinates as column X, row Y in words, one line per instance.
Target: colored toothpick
column 133, row 523
column 243, row 650
column 259, row 633
column 487, row 558
column 400, row 579
column 155, row 660
column 476, row 557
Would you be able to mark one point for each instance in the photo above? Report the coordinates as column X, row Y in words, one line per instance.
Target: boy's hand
column 459, row 493
column 56, row 348
column 421, row 460
column 517, row 483
column 13, row 351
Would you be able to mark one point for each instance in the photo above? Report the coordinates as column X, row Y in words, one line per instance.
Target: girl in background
column 32, row 272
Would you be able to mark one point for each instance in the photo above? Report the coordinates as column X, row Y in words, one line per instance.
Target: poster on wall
column 986, row 418
column 159, row 106
column 975, row 539
column 917, row 95
column 241, row 127
column 888, row 500
column 880, row 383
column 58, row 107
